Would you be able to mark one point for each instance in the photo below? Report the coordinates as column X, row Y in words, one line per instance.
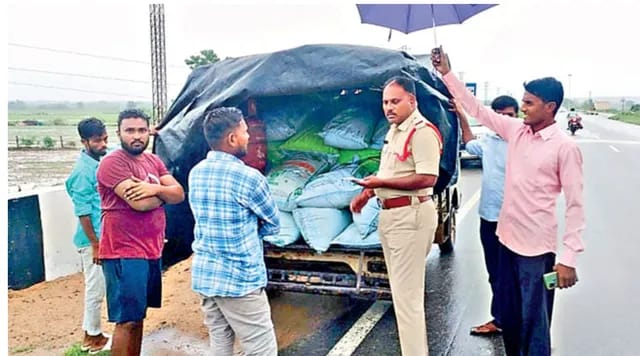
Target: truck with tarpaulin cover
column 322, row 79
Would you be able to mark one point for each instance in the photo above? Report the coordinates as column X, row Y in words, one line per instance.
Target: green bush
column 75, row 350
column 27, row 141
column 48, row 142
column 59, row 122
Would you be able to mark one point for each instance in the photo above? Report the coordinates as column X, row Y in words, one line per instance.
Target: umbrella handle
column 433, row 21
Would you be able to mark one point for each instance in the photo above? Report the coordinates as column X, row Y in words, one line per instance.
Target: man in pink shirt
column 542, row 161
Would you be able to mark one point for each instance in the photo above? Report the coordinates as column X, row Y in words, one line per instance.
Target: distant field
column 36, row 167
column 628, row 117
column 62, row 117
column 37, row 134
column 59, row 122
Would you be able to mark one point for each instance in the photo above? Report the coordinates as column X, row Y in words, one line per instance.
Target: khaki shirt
column 424, row 157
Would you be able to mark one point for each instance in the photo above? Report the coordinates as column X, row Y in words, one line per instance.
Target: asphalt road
column 599, row 316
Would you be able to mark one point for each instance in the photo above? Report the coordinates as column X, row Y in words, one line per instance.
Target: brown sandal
column 488, row 328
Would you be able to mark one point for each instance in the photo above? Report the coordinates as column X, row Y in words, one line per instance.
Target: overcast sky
column 589, row 41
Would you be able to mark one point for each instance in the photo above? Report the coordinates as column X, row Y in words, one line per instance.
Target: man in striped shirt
column 233, row 209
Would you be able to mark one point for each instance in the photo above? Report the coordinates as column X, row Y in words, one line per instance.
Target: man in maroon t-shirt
column 133, row 186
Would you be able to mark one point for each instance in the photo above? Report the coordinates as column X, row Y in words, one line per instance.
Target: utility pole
column 486, row 92
column 569, row 87
column 158, row 62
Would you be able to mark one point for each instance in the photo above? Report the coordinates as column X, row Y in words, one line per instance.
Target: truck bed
column 300, row 245
column 353, row 271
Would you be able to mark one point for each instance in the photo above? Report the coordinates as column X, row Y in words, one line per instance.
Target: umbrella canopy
column 409, row 18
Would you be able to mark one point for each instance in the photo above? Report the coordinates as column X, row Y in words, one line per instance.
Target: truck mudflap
column 339, row 271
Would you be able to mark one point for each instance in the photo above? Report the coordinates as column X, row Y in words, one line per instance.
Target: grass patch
column 75, row 350
column 628, row 117
column 62, row 117
column 21, row 349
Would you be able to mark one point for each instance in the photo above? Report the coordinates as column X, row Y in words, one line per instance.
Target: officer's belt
column 399, row 202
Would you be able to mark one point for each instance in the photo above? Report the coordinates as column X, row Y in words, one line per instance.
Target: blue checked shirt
column 233, row 209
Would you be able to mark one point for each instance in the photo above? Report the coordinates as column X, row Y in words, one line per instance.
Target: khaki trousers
column 406, row 234
column 247, row 318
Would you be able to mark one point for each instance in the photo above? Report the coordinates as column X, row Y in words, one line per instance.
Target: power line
column 78, row 90
column 86, row 54
column 82, row 75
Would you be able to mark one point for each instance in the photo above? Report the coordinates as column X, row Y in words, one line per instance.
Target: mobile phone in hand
column 436, row 55
column 353, row 179
column 550, row 280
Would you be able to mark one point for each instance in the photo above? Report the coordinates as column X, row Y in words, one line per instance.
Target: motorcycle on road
column 575, row 124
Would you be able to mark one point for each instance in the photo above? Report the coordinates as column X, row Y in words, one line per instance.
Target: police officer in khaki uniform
column 408, row 219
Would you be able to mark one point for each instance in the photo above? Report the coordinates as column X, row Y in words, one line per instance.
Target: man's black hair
column 548, row 89
column 504, row 101
column 407, row 84
column 218, row 122
column 132, row 114
column 91, row 127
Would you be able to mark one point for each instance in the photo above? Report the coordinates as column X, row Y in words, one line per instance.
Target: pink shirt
column 128, row 233
column 539, row 165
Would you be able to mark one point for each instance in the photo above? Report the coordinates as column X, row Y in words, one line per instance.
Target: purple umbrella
column 409, row 18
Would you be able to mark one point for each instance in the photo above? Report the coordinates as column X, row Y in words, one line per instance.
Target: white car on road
column 478, row 132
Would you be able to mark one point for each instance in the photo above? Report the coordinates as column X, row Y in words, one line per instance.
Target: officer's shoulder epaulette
column 419, row 123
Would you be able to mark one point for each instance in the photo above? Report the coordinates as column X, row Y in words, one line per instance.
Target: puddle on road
column 295, row 317
column 171, row 342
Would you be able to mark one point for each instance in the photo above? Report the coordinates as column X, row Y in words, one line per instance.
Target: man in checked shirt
column 233, row 209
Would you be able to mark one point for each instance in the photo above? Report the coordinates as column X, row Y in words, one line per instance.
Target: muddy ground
column 46, row 318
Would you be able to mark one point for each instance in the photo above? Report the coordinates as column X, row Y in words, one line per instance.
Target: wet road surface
column 600, row 316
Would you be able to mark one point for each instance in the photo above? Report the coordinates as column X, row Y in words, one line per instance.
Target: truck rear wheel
column 447, row 246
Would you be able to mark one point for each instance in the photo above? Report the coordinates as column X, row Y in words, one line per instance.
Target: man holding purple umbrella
column 542, row 161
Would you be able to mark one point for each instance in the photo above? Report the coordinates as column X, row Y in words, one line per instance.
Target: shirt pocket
column 390, row 155
column 547, row 171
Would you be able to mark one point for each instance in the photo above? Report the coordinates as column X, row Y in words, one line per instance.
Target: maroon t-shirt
column 128, row 233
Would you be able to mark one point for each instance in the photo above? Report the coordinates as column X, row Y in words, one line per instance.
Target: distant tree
column 17, row 105
column 570, row 103
column 635, row 108
column 131, row 105
column 80, row 105
column 587, row 105
column 206, row 56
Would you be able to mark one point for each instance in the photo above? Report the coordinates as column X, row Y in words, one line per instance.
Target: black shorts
column 132, row 285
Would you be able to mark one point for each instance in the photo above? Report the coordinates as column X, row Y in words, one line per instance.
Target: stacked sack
column 308, row 167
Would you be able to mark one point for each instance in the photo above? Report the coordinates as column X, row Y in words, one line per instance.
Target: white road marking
column 619, row 142
column 361, row 328
column 352, row 339
column 468, row 206
column 614, row 149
